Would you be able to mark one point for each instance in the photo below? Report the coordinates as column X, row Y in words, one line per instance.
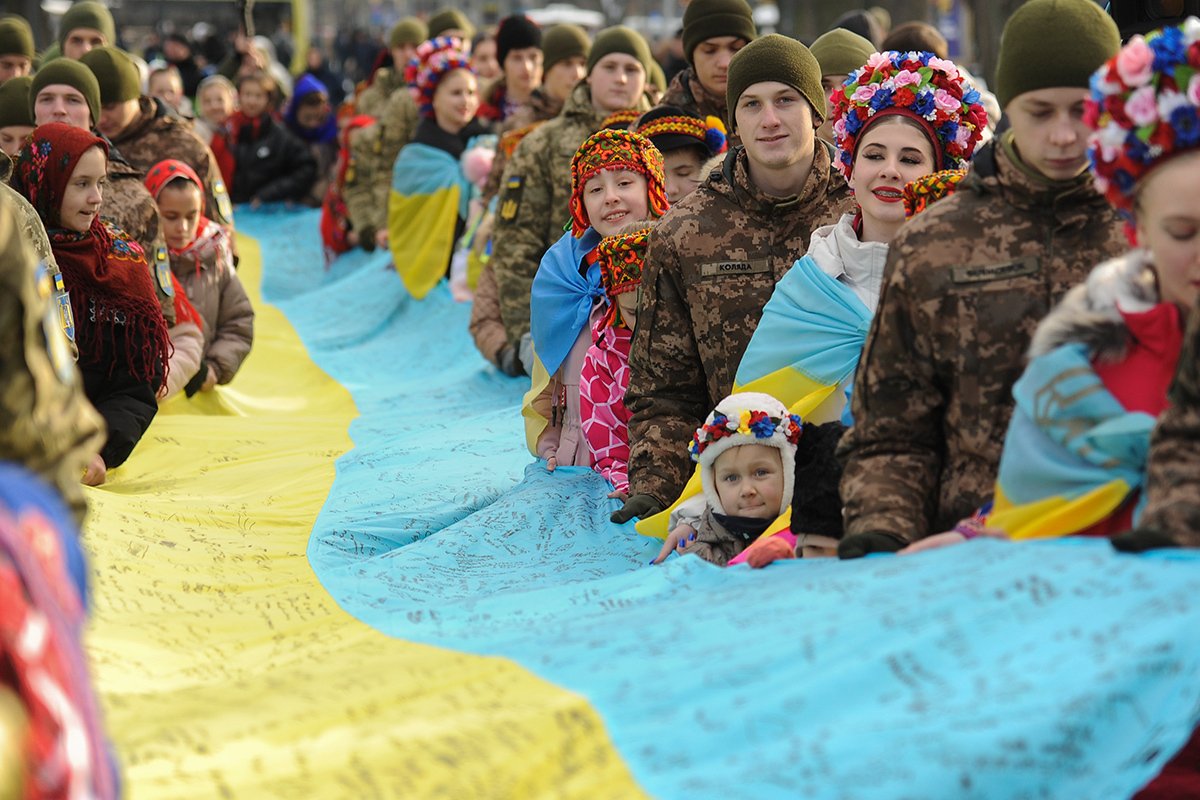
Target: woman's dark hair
column 919, row 36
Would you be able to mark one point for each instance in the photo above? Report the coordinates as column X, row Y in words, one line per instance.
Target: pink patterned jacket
column 602, row 388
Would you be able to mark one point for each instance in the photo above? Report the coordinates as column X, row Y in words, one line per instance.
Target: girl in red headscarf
column 202, row 262
column 122, row 338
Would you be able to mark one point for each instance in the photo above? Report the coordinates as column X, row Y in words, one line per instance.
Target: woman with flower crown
column 899, row 118
column 1074, row 459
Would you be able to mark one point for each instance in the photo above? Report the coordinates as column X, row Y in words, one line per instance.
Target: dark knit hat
column 408, row 31
column 115, row 72
column 14, row 102
column 68, row 72
column 708, row 19
column 16, row 37
column 775, row 58
column 450, row 19
column 619, row 39
column 840, row 51
column 1048, row 44
column 516, row 33
column 87, row 14
column 564, row 41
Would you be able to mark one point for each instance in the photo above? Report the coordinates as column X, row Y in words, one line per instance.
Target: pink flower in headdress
column 1142, row 107
column 907, row 78
column 946, row 101
column 1135, row 62
column 1193, row 90
column 864, row 93
column 948, row 67
column 963, row 135
column 878, row 60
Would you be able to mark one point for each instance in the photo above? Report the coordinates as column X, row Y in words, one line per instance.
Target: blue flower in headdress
column 763, row 428
column 1123, row 180
column 924, row 104
column 1185, row 120
column 1138, row 150
column 971, row 97
column 1169, row 49
column 948, row 130
column 853, row 123
column 882, row 99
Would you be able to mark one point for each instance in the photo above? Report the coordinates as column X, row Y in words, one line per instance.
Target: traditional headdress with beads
column 608, row 149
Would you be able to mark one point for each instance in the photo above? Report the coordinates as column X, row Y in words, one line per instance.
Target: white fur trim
column 732, row 407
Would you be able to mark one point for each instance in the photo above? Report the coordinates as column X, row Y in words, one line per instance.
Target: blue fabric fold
column 562, row 297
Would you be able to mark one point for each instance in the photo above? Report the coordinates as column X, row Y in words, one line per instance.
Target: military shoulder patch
column 221, row 196
column 162, row 271
column 510, row 200
column 995, row 272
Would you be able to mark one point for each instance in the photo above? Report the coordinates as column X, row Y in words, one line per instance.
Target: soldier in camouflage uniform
column 713, row 31
column 715, row 258
column 565, row 51
column 67, row 91
column 967, row 282
column 48, row 425
column 374, row 151
column 536, row 186
column 146, row 131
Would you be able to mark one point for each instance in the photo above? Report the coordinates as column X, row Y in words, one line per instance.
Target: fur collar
column 1091, row 312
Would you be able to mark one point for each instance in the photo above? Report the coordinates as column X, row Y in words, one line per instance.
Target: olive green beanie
column 16, row 37
column 619, row 39
column 564, row 41
column 87, row 14
column 408, row 31
column 709, row 19
column 14, row 102
column 1049, row 44
column 775, row 58
column 69, row 72
column 450, row 19
column 115, row 72
column 840, row 52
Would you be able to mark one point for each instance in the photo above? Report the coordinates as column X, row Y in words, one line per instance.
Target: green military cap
column 564, row 41
column 69, row 73
column 87, row 14
column 1048, row 44
column 16, row 37
column 15, row 108
column 709, row 19
column 775, row 58
column 408, row 31
column 449, row 19
column 619, row 39
column 840, row 52
column 116, row 73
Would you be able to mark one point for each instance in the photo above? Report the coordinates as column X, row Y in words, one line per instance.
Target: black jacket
column 270, row 163
column 127, row 404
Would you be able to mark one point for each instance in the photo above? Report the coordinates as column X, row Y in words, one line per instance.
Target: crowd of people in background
column 790, row 300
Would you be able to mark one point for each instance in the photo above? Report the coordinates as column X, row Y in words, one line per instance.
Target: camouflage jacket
column 157, row 133
column 539, row 109
column 1173, row 477
column 535, row 199
column 128, row 205
column 375, row 97
column 713, row 263
column 686, row 92
column 46, row 422
column 373, row 154
column 965, row 286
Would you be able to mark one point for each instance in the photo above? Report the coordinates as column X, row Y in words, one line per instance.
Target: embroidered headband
column 749, row 422
column 609, row 149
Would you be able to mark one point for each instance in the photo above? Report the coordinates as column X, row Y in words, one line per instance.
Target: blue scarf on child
column 563, row 296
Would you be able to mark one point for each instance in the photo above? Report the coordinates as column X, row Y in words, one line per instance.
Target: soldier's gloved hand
column 197, row 381
column 366, row 239
column 525, row 352
column 1139, row 541
column 862, row 544
column 640, row 506
column 509, row 362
